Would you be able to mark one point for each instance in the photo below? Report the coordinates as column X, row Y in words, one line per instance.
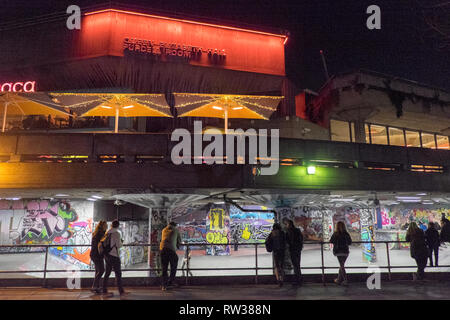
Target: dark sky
column 336, row 26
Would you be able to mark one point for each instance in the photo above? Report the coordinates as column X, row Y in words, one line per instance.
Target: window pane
column 442, row 142
column 428, row 141
column 412, row 139
column 367, row 133
column 340, row 131
column 379, row 134
column 396, row 137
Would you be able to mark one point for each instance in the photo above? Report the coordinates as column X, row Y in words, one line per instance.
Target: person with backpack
column 432, row 238
column 418, row 249
column 110, row 245
column 170, row 242
column 276, row 243
column 341, row 241
column 96, row 257
column 294, row 239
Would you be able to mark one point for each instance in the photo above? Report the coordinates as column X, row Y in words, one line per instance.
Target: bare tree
column 434, row 22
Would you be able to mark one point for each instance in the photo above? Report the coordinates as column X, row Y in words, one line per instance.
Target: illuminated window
column 442, row 142
column 378, row 134
column 428, row 141
column 367, row 128
column 396, row 137
column 340, row 131
column 412, row 139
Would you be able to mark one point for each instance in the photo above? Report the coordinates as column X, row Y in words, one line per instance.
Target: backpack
column 104, row 245
column 269, row 243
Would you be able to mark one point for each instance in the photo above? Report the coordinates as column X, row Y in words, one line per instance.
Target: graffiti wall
column 134, row 232
column 367, row 234
column 250, row 226
column 158, row 221
column 49, row 222
column 218, row 231
column 398, row 217
column 308, row 219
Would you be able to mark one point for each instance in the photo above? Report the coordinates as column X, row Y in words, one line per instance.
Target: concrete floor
column 397, row 290
column 244, row 257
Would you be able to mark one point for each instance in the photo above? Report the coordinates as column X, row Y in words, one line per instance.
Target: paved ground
column 398, row 290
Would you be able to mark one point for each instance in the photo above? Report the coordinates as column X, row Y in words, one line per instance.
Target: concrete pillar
column 360, row 132
column 157, row 222
column 368, row 234
column 327, row 227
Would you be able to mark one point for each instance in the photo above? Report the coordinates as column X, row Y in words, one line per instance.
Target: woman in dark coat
column 96, row 257
column 418, row 249
column 341, row 241
column 277, row 242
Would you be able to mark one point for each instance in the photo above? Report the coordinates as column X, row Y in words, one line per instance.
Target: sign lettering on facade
column 164, row 49
column 29, row 86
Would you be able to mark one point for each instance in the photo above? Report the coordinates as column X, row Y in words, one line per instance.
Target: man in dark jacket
column 445, row 230
column 294, row 239
column 432, row 237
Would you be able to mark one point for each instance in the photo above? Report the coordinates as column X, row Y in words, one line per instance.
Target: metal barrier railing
column 188, row 270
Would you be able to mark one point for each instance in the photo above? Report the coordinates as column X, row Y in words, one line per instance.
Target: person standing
column 170, row 242
column 341, row 241
column 96, row 257
column 445, row 230
column 294, row 239
column 418, row 249
column 432, row 238
column 112, row 242
column 276, row 243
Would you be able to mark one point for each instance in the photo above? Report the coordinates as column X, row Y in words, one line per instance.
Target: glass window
column 340, row 130
column 412, row 139
column 428, row 140
column 396, row 137
column 367, row 133
column 443, row 142
column 378, row 134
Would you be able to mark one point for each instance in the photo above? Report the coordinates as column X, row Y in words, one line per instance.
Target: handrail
column 189, row 270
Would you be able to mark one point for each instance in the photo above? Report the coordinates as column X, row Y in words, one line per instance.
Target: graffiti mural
column 158, row 221
column 134, row 232
column 218, row 232
column 50, row 222
column 250, row 226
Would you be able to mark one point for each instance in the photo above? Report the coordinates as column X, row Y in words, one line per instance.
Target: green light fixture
column 311, row 169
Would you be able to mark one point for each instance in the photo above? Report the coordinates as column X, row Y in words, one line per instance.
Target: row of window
column 377, row 134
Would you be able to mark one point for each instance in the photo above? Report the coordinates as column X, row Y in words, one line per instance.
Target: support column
column 368, row 234
column 157, row 222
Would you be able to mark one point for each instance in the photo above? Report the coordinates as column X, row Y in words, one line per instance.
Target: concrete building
column 352, row 152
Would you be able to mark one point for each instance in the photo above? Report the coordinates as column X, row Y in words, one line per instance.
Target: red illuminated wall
column 103, row 33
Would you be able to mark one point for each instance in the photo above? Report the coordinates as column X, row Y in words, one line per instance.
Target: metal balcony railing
column 186, row 271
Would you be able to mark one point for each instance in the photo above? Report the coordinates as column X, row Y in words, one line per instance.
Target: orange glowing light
column 187, row 21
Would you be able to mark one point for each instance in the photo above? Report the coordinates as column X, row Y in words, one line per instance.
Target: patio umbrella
column 32, row 104
column 115, row 105
column 225, row 106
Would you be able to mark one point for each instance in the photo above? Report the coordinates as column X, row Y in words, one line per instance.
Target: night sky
column 336, row 26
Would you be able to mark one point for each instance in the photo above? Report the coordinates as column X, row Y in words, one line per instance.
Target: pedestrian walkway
column 396, row 290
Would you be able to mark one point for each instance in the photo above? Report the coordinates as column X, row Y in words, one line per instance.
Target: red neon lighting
column 29, row 86
column 187, row 21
